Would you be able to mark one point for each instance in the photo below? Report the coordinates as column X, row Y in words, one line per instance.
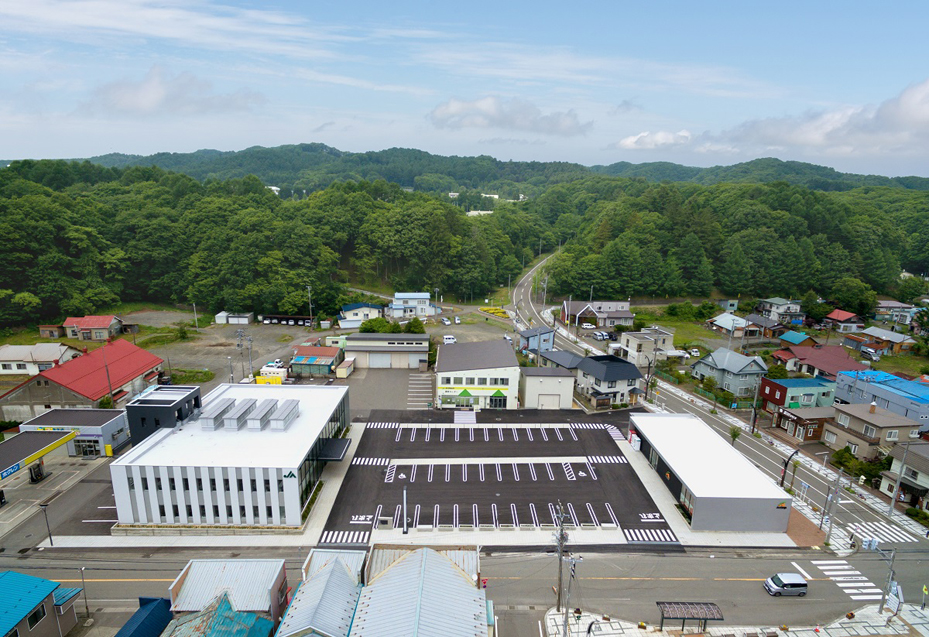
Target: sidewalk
column 910, row 621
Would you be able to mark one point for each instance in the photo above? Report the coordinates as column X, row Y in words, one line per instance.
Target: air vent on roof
column 258, row 419
column 211, row 417
column 235, row 418
column 285, row 414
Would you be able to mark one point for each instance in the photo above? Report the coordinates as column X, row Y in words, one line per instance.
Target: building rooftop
column 811, row 413
column 910, row 389
column 830, row 359
column 38, row 353
column 776, row 300
column 412, row 295
column 762, row 321
column 546, row 371
column 325, row 603
column 90, row 322
column 734, row 362
column 609, row 368
column 887, row 335
column 880, row 418
column 153, row 616
column 568, row 360
column 190, row 445
column 17, row 448
column 356, row 306
column 795, row 338
column 536, row 331
column 19, row 594
column 729, row 321
column 219, row 619
column 802, row 382
column 841, row 315
column 702, row 459
column 457, row 357
column 249, row 583
column 76, row 418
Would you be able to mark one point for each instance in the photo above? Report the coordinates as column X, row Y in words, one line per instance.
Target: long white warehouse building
column 251, row 458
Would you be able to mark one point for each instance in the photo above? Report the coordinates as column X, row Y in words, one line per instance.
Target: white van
column 786, row 584
column 448, row 339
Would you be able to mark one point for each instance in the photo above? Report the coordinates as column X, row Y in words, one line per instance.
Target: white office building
column 251, row 458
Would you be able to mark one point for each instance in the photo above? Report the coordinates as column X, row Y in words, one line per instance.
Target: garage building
column 99, row 431
column 546, row 388
column 387, row 351
column 251, row 458
column 718, row 487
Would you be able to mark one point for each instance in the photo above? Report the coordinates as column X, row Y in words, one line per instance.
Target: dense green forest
column 310, row 167
column 79, row 237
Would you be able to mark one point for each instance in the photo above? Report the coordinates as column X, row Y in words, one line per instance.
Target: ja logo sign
column 289, row 474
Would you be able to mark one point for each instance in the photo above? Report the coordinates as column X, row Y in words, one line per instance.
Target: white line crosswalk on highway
column 852, row 582
column 883, row 531
column 345, row 537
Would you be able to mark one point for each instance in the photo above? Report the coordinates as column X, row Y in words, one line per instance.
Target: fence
column 668, row 377
column 705, row 394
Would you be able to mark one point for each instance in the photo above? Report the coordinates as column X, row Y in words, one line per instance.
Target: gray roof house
column 559, row 358
column 608, row 380
column 733, row 372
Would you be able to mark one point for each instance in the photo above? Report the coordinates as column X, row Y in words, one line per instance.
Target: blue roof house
column 35, row 607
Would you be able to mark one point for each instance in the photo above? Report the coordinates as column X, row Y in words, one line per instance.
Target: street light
column 84, row 588
column 824, row 454
column 44, row 508
column 231, row 376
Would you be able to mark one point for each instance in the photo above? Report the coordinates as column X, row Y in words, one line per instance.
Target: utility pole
column 755, row 407
column 890, row 579
column 309, row 292
column 561, row 539
column 591, row 299
column 231, row 376
column 196, row 322
column 836, row 499
column 893, row 495
column 248, row 339
column 107, row 370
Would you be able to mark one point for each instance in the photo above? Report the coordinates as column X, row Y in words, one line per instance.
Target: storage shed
column 716, row 485
column 395, row 351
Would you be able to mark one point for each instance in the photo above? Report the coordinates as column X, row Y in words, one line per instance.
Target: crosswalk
column 851, row 581
column 382, row 425
column 589, row 425
column 615, row 433
column 465, row 418
column 371, row 461
column 419, row 392
column 607, row 460
column 649, row 535
column 883, row 531
column 345, row 537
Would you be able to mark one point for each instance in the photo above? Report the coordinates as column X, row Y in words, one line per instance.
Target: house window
column 807, row 398
column 883, row 403
column 869, row 431
column 7, row 366
column 914, row 433
column 597, row 382
column 843, row 419
column 853, row 448
column 611, row 384
column 892, row 434
column 630, row 382
column 20, row 365
column 777, row 395
column 911, row 474
column 830, row 437
column 36, row 616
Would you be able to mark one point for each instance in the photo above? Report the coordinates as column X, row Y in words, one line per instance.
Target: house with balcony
column 644, row 349
column 482, row 375
column 733, row 372
column 767, row 328
column 784, row 311
column 804, row 424
column 796, row 393
column 606, row 314
column 907, row 398
column 867, row 430
column 537, row 339
column 406, row 305
column 608, row 380
column 820, row 360
column 913, row 476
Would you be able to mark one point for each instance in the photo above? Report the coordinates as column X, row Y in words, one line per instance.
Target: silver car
column 785, row 584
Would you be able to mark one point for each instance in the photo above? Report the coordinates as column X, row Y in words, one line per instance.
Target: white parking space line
column 515, row 435
column 551, row 476
column 535, row 517
column 435, row 517
column 499, row 473
column 593, row 516
column 544, row 435
column 558, row 433
column 464, row 473
column 474, row 513
column 516, row 472
column 416, row 511
column 573, row 514
column 551, row 511
column 493, row 514
column 429, row 477
column 532, row 471
column 413, row 474
column 609, row 510
column 448, row 472
column 515, row 516
column 529, row 434
column 573, row 435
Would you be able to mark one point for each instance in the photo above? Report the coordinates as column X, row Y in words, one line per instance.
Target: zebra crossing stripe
column 391, row 470
column 649, row 535
column 568, row 471
column 607, row 460
column 345, row 537
column 371, row 461
column 882, row 531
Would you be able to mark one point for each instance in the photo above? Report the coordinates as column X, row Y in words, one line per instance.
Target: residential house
column 92, row 328
column 889, row 342
column 768, row 328
column 219, row 619
column 867, row 430
column 805, row 424
column 913, row 476
column 791, row 338
column 484, row 375
column 606, row 314
column 608, row 380
column 253, row 585
column 645, row 348
column 796, row 393
column 820, row 360
column 29, row 360
column 732, row 325
column 406, row 305
column 35, row 607
column 781, row 310
column 733, row 372
column 537, row 339
column 118, row 369
column 546, row 388
column 728, row 305
column 843, row 322
column 325, row 601
column 907, row 398
column 51, row 331
column 354, row 314
column 888, row 310
column 559, row 358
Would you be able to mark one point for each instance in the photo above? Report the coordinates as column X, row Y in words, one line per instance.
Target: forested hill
column 312, row 167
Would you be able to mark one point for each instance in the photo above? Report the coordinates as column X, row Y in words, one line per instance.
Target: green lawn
column 686, row 333
column 912, row 365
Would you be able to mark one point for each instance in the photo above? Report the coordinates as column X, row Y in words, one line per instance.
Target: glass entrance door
column 87, row 448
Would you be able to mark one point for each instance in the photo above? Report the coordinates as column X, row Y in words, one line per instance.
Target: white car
column 445, row 321
column 508, row 337
column 457, row 320
column 695, row 352
column 587, row 326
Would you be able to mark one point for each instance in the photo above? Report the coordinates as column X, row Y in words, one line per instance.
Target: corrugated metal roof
column 318, row 558
column 422, row 594
column 87, row 374
column 19, row 594
column 62, row 595
column 458, row 357
column 219, row 619
column 248, row 583
column 325, row 602
column 468, row 560
column 795, row 338
column 150, row 620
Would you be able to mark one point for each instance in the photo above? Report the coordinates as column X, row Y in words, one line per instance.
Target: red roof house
column 842, row 321
column 92, row 328
column 819, row 360
column 118, row 367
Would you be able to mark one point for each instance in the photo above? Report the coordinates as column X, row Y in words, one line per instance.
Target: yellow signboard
column 268, row 380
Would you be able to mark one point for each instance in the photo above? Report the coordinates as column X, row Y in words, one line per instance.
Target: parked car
column 267, row 321
column 612, row 336
column 694, row 352
column 587, row 326
column 445, row 321
column 508, row 337
column 785, row 584
column 274, row 321
column 299, row 321
column 448, row 339
column 870, row 354
column 457, row 320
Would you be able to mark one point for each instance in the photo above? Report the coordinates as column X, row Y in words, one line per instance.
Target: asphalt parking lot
column 498, row 474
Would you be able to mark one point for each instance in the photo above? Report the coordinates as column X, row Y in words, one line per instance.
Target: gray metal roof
column 535, row 331
column 359, row 336
column 762, row 321
column 324, row 603
column 248, row 582
column 730, row 361
column 887, row 335
column 422, row 594
column 38, row 353
column 546, row 371
column 76, row 418
column 457, row 357
column 568, row 360
column 609, row 368
column 382, row 557
column 318, row 558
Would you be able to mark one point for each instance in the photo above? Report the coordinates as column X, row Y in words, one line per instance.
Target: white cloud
column 512, row 114
column 160, row 94
column 651, row 141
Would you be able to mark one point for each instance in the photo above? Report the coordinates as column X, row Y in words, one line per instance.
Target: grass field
column 686, row 333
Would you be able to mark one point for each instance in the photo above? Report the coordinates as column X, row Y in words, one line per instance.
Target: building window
column 36, row 616
column 20, row 365
column 481, row 381
column 892, row 434
column 469, row 380
column 186, row 483
column 446, row 380
column 807, row 398
column 911, row 474
column 494, row 381
column 777, row 395
column 869, row 431
column 131, row 482
column 597, row 382
column 458, row 380
column 914, row 433
column 830, row 437
column 843, row 419
column 505, row 382
column 853, row 448
column 611, row 384
column 199, row 484
column 883, row 403
column 8, row 366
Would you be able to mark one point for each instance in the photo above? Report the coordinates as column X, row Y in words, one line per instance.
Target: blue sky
column 840, row 84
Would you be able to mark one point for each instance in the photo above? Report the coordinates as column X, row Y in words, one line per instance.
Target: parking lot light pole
column 84, row 588
column 231, row 375
column 44, row 508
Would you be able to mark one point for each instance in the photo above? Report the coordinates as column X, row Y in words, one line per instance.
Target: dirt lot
column 158, row 318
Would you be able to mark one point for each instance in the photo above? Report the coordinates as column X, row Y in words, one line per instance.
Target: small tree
column 777, row 371
column 414, row 326
column 106, row 402
column 734, row 432
column 181, row 332
column 795, row 463
column 709, row 383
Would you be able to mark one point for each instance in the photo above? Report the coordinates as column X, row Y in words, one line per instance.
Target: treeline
column 300, row 169
column 80, row 237
column 631, row 238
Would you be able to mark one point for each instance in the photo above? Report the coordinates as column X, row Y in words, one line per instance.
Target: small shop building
column 718, row 487
column 100, row 432
column 803, row 423
column 315, row 360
